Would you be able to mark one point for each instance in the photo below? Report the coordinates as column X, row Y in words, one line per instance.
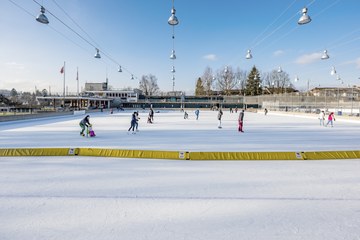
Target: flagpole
column 77, row 78
column 64, row 88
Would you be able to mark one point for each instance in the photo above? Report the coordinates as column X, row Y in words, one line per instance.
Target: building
column 96, row 86
column 349, row 92
column 74, row 102
column 116, row 95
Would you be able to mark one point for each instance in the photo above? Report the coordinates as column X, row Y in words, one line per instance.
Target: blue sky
column 211, row 33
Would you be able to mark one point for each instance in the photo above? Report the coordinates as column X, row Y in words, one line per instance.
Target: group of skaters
column 86, row 126
column 134, row 124
column 186, row 115
column 240, row 119
column 219, row 117
column 330, row 119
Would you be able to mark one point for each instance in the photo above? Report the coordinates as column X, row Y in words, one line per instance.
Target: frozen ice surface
column 171, row 131
column 96, row 198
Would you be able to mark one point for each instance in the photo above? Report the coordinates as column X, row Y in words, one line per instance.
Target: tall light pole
column 308, row 87
column 173, row 21
column 352, row 99
column 338, row 93
column 325, row 100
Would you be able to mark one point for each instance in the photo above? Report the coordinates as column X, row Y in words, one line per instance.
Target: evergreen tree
column 253, row 83
column 199, row 90
column 14, row 95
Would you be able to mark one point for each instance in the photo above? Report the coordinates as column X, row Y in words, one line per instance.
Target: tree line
column 228, row 81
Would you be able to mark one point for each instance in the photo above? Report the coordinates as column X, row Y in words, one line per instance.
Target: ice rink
column 115, row 198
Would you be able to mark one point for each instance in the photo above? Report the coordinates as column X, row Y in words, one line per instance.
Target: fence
column 300, row 102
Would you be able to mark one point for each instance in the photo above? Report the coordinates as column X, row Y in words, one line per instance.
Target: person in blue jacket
column 133, row 122
column 197, row 112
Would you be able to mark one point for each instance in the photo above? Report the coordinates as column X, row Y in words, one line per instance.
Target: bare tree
column 240, row 78
column 207, row 80
column 226, row 80
column 148, row 85
column 279, row 81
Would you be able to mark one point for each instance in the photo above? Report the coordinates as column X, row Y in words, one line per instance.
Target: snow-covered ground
column 108, row 198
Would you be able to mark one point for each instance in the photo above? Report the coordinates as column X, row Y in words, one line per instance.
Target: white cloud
column 279, row 53
column 308, row 58
column 357, row 62
column 14, row 65
column 210, row 57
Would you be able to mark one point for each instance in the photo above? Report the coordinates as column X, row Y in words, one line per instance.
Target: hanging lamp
column 333, row 71
column 304, row 19
column 173, row 19
column 41, row 17
column 173, row 56
column 248, row 55
column 325, row 55
column 97, row 54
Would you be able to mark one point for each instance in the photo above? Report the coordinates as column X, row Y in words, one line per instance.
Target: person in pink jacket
column 331, row 118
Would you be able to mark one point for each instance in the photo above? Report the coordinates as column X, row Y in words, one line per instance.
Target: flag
column 77, row 75
column 62, row 70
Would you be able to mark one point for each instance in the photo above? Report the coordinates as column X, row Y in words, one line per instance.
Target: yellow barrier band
column 128, row 153
column 332, row 155
column 178, row 155
column 34, row 152
column 245, row 156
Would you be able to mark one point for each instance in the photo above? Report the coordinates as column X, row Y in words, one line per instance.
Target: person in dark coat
column 220, row 113
column 241, row 121
column 85, row 122
column 151, row 114
column 133, row 122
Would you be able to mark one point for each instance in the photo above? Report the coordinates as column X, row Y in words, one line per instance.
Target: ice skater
column 85, row 122
column 186, row 115
column 322, row 118
column 220, row 113
column 241, row 120
column 91, row 131
column 331, row 118
column 151, row 114
column 265, row 111
column 132, row 123
column 149, row 119
column 137, row 120
column 197, row 112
